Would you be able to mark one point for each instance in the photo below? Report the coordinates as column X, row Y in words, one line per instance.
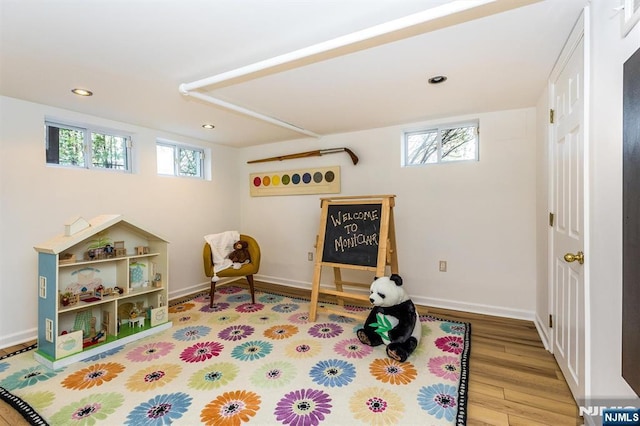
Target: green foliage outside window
column 190, row 162
column 67, row 146
column 177, row 160
column 109, row 152
column 70, row 146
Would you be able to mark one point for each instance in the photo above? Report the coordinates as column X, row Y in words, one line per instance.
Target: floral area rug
column 263, row 364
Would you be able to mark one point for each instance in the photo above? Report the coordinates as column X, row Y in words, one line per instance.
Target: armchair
column 247, row 270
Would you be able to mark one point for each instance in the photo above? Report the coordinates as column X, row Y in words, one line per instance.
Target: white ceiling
column 135, row 54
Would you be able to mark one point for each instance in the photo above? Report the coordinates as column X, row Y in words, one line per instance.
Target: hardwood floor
column 513, row 380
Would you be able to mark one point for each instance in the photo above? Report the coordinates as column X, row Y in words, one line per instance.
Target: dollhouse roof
column 98, row 224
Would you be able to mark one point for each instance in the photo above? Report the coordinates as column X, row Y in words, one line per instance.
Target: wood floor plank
column 549, row 404
column 490, row 390
column 518, row 377
column 516, row 359
column 524, row 421
column 529, row 351
column 522, row 410
column 481, row 415
column 522, row 387
column 488, row 346
column 536, row 366
column 10, row 417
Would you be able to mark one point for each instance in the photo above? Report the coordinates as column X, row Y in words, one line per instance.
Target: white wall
column 609, row 51
column 36, row 201
column 479, row 217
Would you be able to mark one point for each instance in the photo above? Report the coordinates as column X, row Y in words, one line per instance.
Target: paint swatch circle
column 295, row 179
column 329, row 176
column 257, row 181
column 306, row 178
column 275, row 180
column 286, row 179
column 266, row 181
column 317, row 177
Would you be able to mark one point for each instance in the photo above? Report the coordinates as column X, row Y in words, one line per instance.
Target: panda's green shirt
column 382, row 326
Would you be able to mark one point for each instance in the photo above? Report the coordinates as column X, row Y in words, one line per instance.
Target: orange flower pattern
column 279, row 332
column 231, row 408
column 183, row 307
column 94, row 375
column 390, row 371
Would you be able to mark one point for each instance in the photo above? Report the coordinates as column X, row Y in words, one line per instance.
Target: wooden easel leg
column 315, row 292
column 337, row 279
column 393, row 250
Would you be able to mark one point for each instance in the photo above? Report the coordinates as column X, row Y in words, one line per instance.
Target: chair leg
column 211, row 293
column 253, row 296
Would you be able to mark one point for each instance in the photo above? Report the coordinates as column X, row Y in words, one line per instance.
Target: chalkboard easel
column 355, row 233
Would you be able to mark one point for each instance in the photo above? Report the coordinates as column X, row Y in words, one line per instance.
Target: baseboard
column 475, row 308
column 428, row 301
column 187, row 291
column 543, row 333
column 202, row 287
column 18, row 338
column 284, row 282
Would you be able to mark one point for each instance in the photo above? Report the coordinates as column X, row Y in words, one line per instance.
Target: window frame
column 88, row 146
column 438, row 129
column 176, row 147
column 630, row 15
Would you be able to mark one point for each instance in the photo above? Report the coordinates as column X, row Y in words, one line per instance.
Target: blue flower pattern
column 160, row 410
column 333, row 373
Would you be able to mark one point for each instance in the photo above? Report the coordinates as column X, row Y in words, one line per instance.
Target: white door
column 567, row 204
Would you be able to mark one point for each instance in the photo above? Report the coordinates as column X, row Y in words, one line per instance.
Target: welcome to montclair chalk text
column 341, row 217
column 349, row 222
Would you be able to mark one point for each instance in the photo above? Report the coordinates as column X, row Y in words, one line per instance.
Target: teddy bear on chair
column 393, row 321
column 240, row 254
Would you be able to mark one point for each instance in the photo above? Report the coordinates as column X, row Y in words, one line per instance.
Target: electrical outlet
column 310, row 256
column 443, row 266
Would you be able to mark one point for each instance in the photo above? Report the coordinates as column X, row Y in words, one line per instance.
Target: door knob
column 569, row 257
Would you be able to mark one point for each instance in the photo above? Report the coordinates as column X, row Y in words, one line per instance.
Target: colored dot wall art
column 318, row 180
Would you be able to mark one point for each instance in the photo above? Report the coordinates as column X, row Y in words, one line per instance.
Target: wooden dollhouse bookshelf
column 99, row 286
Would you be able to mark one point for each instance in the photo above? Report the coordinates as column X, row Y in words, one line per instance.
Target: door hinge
column 550, row 321
column 551, row 114
column 551, row 217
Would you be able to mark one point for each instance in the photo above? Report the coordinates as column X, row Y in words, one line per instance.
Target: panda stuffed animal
column 393, row 321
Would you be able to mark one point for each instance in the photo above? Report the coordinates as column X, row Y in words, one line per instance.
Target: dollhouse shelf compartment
column 64, row 334
column 106, row 299
column 111, row 259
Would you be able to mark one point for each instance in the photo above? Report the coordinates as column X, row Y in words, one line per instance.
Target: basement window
column 84, row 147
column 441, row 144
column 179, row 160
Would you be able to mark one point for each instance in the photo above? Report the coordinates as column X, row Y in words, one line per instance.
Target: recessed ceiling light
column 437, row 79
column 208, row 126
column 82, row 92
